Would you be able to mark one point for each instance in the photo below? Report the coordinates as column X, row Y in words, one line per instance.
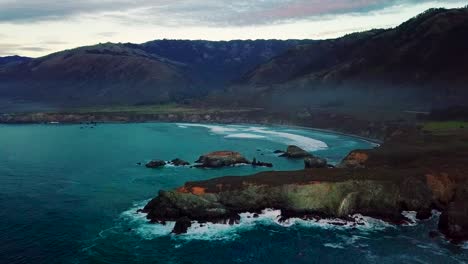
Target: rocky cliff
column 399, row 176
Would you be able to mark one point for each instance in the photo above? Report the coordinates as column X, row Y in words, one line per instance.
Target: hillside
column 422, row 62
column 154, row 72
column 13, row 59
column 420, row 65
column 102, row 74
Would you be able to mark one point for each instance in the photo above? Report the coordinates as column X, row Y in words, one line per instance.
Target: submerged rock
column 261, row 164
column 313, row 162
column 220, row 159
column 295, row 152
column 155, row 164
column 179, row 162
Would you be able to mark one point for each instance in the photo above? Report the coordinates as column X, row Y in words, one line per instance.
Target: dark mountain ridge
column 13, row 59
column 421, row 64
column 154, row 72
column 423, row 61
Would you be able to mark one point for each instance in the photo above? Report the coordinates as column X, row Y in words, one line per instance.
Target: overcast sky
column 39, row 27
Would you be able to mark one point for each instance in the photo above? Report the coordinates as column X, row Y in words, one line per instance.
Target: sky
column 38, row 27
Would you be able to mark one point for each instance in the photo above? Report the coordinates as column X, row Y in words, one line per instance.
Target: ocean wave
column 334, row 245
column 303, row 142
column 217, row 129
column 141, row 226
column 244, row 135
column 465, row 245
column 255, row 132
column 411, row 217
column 248, row 221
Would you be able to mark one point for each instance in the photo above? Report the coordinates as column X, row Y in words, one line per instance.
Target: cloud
column 33, row 49
column 190, row 12
column 54, row 42
column 107, row 34
column 7, row 49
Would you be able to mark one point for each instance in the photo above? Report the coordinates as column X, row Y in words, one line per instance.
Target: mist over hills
column 422, row 63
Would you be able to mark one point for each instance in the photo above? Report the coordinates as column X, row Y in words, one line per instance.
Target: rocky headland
column 411, row 171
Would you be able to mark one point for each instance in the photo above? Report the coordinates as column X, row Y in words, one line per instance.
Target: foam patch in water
column 268, row 217
column 411, row 216
column 237, row 131
column 217, row 129
column 244, row 135
column 306, row 143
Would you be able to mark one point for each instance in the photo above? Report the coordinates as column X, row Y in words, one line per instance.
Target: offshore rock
column 295, row 152
column 182, row 225
column 155, row 164
column 220, row 159
column 313, row 162
column 179, row 162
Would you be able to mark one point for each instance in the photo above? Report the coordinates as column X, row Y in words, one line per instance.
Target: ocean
column 69, row 194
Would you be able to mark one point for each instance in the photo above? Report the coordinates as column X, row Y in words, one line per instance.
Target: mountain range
column 423, row 62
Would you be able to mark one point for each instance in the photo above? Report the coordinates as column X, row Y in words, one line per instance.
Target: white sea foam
column 334, row 245
column 465, row 245
column 213, row 128
column 268, row 217
column 244, row 135
column 411, row 216
column 303, row 142
column 237, row 131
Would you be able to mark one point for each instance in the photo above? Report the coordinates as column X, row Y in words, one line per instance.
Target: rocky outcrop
column 334, row 193
column 179, row 162
column 220, row 159
column 410, row 172
column 257, row 163
column 295, row 152
column 354, row 160
column 155, row 164
column 182, row 225
column 454, row 220
column 313, row 162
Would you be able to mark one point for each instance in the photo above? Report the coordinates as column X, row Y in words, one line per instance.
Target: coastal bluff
column 410, row 172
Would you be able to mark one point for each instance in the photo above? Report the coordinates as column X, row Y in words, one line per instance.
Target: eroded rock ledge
column 411, row 172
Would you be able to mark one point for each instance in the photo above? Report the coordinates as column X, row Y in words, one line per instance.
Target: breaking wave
column 248, row 221
column 254, row 132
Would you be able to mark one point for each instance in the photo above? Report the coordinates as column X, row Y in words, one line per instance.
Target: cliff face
column 383, row 185
column 300, row 193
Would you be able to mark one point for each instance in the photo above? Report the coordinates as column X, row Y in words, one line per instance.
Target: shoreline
column 382, row 182
column 376, row 142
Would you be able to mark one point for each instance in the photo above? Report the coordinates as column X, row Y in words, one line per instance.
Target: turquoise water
column 68, row 194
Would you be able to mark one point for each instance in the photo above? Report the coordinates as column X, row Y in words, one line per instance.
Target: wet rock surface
column 220, row 159
column 179, row 162
column 295, row 152
column 313, row 162
column 155, row 164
